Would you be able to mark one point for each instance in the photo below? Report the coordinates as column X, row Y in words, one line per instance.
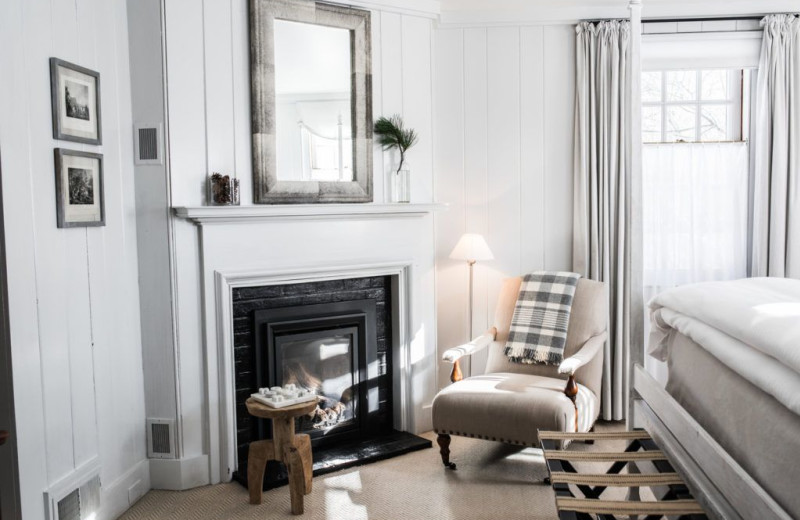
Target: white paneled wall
column 209, row 94
column 208, row 100
column 73, row 293
column 503, row 118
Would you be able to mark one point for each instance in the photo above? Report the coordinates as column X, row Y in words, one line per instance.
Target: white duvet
column 751, row 325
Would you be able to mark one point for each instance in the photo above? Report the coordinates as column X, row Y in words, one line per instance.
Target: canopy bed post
column 634, row 273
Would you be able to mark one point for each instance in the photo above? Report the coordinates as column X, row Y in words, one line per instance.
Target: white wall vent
column 77, row 496
column 147, row 144
column 160, row 438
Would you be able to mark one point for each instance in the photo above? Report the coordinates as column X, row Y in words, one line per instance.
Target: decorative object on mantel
column 392, row 134
column 79, row 189
column 471, row 247
column 327, row 158
column 223, row 190
column 75, row 99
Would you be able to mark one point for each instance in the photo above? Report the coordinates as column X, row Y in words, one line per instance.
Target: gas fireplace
column 335, row 339
column 328, row 349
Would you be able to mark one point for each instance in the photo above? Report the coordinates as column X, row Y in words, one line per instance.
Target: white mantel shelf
column 249, row 213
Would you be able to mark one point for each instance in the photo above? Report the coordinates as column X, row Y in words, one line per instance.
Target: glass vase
column 402, row 186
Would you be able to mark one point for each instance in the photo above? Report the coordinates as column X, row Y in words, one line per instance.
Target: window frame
column 737, row 80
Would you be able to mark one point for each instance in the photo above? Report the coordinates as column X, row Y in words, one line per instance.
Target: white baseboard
column 121, row 494
column 179, row 474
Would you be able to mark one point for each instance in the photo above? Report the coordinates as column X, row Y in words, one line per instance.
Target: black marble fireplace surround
column 272, row 326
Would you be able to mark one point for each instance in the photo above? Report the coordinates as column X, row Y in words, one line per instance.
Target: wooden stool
column 292, row 449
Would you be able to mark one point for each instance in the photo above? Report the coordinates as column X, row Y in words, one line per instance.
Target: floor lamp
column 472, row 248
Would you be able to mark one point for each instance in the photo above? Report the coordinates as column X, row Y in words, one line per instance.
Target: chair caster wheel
column 451, row 465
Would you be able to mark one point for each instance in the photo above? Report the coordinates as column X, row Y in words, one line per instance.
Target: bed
column 730, row 413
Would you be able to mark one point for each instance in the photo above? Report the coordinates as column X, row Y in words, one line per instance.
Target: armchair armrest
column 585, row 354
column 452, row 355
column 570, row 365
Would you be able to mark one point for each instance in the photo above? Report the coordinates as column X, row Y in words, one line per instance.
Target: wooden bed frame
column 725, row 490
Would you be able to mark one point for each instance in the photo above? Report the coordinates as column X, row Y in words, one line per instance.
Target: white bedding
column 751, row 325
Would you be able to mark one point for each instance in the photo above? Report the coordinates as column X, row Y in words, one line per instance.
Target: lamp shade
column 471, row 247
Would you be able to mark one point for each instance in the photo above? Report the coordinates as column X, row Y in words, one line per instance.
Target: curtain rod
column 701, row 19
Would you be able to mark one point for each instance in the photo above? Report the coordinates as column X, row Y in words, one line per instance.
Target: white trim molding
column 250, row 213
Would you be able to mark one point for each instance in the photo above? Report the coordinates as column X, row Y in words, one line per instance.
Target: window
column 693, row 105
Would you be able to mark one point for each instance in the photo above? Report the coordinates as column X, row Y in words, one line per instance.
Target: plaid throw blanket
column 538, row 331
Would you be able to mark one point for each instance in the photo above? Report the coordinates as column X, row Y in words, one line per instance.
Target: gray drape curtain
column 602, row 169
column 776, row 194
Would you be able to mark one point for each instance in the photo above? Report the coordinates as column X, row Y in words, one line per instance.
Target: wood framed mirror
column 311, row 102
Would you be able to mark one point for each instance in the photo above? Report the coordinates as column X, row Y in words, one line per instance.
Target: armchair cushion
column 511, row 407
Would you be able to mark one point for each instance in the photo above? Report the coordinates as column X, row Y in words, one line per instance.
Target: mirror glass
column 314, row 130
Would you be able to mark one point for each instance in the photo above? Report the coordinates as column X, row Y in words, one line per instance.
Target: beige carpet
column 493, row 481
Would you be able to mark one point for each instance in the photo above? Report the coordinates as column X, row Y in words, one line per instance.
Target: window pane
column 714, row 123
column 681, row 123
column 714, row 84
column 651, row 86
column 681, row 85
column 651, row 124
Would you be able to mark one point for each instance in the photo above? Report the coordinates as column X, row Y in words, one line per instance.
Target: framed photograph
column 75, row 95
column 79, row 189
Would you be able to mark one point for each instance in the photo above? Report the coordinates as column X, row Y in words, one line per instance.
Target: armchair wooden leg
column 444, row 449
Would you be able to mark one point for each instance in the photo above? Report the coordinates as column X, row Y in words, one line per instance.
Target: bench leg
column 444, row 450
column 257, row 456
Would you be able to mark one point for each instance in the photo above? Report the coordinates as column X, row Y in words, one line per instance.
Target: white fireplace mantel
column 269, row 244
column 249, row 213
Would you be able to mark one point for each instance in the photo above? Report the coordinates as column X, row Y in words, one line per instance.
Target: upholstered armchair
column 510, row 402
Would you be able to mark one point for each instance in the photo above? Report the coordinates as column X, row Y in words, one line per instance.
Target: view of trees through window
column 693, row 105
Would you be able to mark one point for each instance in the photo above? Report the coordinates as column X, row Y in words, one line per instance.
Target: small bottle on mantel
column 223, row 190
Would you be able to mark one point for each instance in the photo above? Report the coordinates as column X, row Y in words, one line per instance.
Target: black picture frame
column 57, row 100
column 63, row 219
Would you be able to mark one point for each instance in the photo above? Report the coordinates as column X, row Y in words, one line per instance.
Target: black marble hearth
column 344, row 456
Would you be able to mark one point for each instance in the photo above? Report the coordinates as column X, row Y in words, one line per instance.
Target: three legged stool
column 292, row 449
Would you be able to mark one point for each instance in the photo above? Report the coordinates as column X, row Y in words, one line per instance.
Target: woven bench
column 579, row 494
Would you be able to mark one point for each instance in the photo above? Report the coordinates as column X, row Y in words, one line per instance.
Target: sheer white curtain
column 776, row 203
column 695, row 211
column 601, row 227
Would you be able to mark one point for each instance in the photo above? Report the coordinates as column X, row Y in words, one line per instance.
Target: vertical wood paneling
column 417, row 106
column 476, row 170
column 16, row 104
column 391, row 84
column 70, row 289
column 504, row 156
column 82, row 351
column 559, row 92
column 380, row 186
column 517, row 154
column 54, row 304
column 451, row 287
column 532, row 193
column 240, row 47
column 113, row 263
column 219, row 101
column 186, row 101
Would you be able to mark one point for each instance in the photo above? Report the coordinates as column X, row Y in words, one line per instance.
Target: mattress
column 757, row 430
column 752, row 326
